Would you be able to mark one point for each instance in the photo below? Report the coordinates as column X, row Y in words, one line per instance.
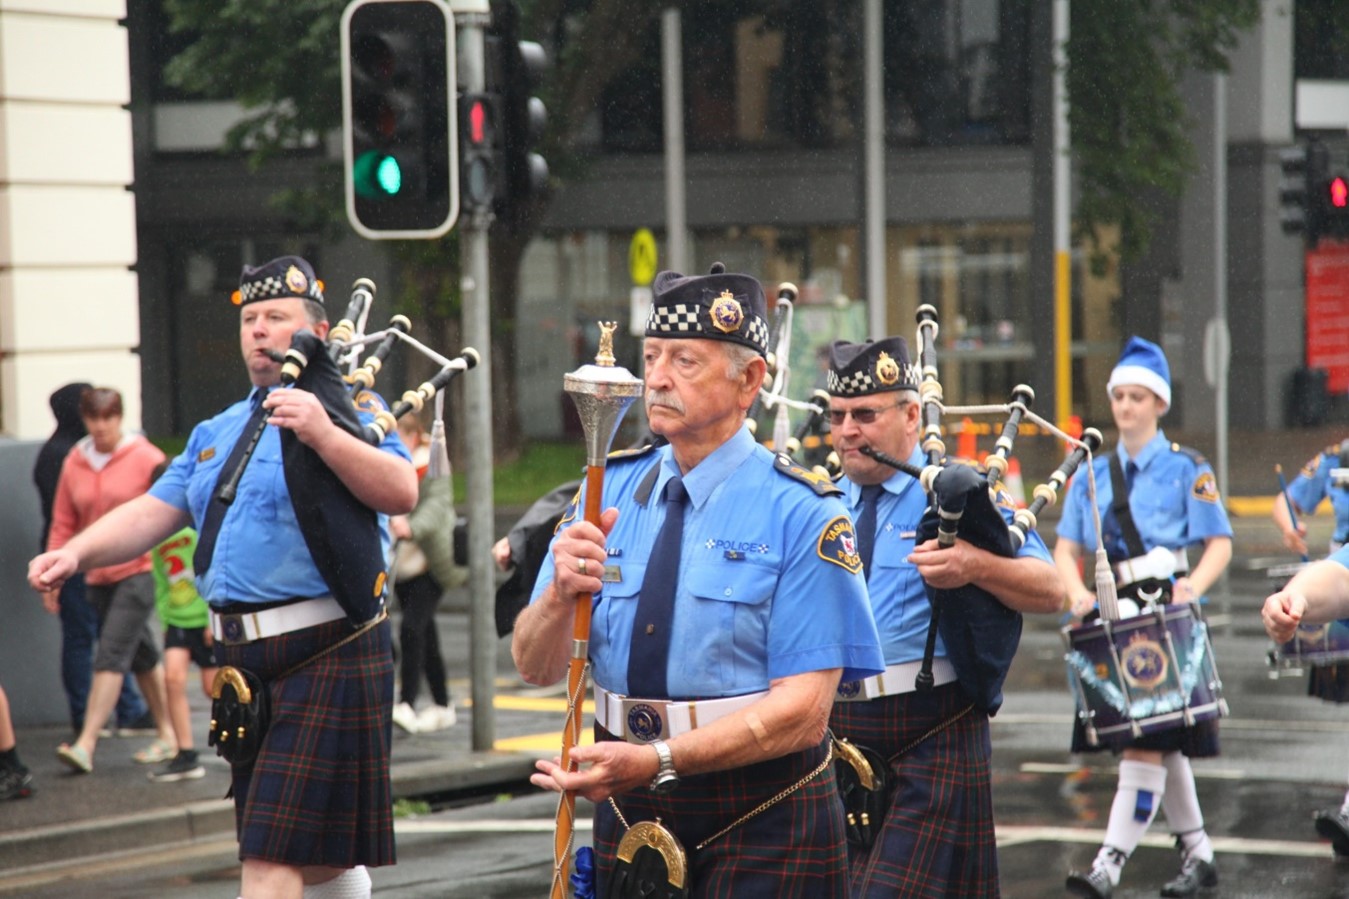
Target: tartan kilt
column 318, row 792
column 791, row 850
column 937, row 839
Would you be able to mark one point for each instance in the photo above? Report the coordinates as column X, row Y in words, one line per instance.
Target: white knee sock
column 354, row 883
column 1181, row 804
column 1137, row 798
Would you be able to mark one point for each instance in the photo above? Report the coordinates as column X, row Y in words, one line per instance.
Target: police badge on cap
column 876, row 366
column 283, row 277
column 715, row 306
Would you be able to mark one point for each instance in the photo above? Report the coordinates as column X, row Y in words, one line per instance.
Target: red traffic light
column 477, row 123
column 1339, row 192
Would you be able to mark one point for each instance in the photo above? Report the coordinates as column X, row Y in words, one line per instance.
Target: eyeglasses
column 862, row 415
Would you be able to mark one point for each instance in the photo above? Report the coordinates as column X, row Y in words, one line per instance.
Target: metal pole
column 1222, row 356
column 672, row 88
column 1063, row 310
column 874, row 192
column 478, row 414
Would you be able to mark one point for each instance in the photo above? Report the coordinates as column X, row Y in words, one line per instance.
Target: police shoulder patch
column 816, row 481
column 838, row 544
column 369, row 401
column 1205, row 487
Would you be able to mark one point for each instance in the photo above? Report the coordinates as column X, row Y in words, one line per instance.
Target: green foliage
column 410, row 808
column 1125, row 62
column 275, row 57
column 539, row 468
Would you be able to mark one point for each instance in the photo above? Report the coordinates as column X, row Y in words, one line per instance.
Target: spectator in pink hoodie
column 104, row 470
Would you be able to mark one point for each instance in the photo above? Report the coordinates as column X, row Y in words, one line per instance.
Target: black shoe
column 183, row 766
column 15, row 783
column 1094, row 884
column 1334, row 826
column 1195, row 873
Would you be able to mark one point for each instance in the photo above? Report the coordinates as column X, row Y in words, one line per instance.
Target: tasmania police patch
column 838, row 544
column 1205, row 488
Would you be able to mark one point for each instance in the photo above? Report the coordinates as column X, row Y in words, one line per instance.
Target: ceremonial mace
column 602, row 393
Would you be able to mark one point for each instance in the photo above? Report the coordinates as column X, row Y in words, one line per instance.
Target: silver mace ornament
column 602, row 393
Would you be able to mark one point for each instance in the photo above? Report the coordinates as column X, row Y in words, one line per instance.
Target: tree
column 1125, row 62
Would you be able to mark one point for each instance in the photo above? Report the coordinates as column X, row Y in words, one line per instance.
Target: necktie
column 866, row 526
column 649, row 655
column 215, row 509
column 1130, row 471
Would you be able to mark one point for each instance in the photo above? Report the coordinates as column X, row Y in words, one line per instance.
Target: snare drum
column 1324, row 650
column 1147, row 674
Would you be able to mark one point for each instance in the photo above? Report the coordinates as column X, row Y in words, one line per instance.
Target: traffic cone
column 965, row 443
column 1012, row 483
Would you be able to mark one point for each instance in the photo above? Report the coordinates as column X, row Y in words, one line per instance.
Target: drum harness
column 1133, row 541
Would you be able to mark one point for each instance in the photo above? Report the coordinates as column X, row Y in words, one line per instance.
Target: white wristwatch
column 666, row 778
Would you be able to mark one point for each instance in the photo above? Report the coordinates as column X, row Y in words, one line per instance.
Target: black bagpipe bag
column 341, row 532
column 981, row 634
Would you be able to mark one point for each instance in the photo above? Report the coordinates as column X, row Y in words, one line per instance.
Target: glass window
column 1320, row 40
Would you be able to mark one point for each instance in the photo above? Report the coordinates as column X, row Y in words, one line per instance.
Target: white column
column 69, row 305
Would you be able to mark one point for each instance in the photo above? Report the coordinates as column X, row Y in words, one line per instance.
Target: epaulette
column 816, row 481
column 633, row 452
column 1194, row 454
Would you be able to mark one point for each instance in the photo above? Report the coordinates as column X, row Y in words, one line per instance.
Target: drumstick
column 1292, row 514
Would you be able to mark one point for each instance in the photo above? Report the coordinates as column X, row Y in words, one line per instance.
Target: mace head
column 602, row 392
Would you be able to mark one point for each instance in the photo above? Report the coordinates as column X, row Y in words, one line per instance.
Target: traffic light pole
column 472, row 18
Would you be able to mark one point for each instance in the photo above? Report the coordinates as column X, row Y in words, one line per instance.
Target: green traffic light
column 376, row 175
column 389, row 175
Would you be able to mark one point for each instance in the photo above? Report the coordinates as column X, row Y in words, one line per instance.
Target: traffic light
column 515, row 69
column 399, row 118
column 479, row 158
column 1303, row 167
column 1335, row 209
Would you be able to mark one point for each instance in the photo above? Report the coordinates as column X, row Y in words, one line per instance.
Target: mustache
column 664, row 398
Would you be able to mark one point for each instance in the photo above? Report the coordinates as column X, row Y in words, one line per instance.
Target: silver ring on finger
column 581, row 565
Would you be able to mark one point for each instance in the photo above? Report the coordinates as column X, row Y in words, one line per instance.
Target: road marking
column 547, row 744
column 1254, row 724
column 1064, row 768
column 1015, row 835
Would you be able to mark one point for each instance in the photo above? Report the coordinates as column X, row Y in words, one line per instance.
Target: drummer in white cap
column 1171, row 502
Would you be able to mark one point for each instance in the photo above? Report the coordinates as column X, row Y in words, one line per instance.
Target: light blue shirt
column 898, row 597
column 1174, row 501
column 762, row 591
column 260, row 553
column 1313, row 484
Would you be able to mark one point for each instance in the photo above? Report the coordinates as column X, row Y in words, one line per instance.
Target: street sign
column 642, row 257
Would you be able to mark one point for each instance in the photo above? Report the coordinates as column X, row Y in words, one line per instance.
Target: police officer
column 712, row 695
column 1325, row 476
column 937, row 837
column 1172, row 504
column 273, row 609
column 1318, row 594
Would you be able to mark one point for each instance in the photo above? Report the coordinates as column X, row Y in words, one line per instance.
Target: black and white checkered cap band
column 687, row 319
column 274, row 287
column 861, row 382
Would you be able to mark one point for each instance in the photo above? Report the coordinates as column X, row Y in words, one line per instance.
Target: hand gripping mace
column 602, row 393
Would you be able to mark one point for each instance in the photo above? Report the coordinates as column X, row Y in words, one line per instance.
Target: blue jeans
column 79, row 631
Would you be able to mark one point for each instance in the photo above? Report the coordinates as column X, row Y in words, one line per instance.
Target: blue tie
column 866, row 526
column 1130, row 472
column 649, row 655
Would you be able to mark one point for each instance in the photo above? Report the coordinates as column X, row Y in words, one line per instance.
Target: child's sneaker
column 183, row 766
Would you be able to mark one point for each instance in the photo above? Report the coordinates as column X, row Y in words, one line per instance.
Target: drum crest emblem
column 1144, row 663
column 849, row 688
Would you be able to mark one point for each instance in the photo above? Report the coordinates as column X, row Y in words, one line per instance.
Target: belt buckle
column 644, row 721
column 232, row 631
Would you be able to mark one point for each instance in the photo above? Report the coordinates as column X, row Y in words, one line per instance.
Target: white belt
column 896, row 679
column 245, row 627
column 645, row 720
column 1158, row 563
